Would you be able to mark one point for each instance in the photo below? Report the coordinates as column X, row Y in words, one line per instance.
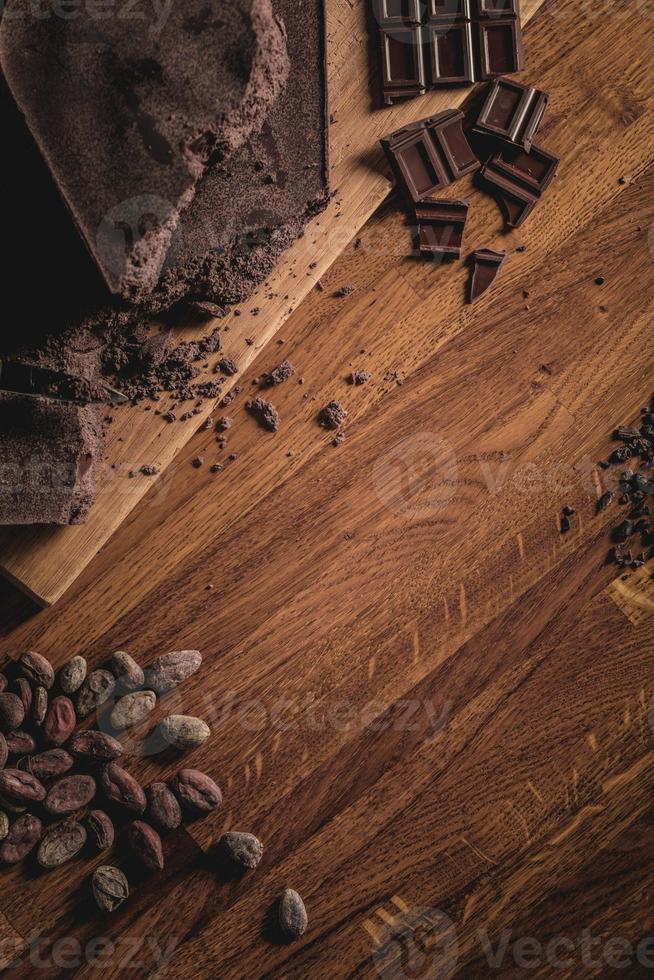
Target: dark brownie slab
column 49, row 453
column 129, row 109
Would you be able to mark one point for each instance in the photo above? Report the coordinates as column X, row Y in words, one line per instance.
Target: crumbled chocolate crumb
column 344, row 291
column 604, row 501
column 359, row 377
column 338, row 439
column 207, row 424
column 228, row 365
column 232, row 457
column 265, row 413
column 278, row 375
column 216, row 467
column 332, row 415
column 565, row 524
column 150, row 470
column 600, row 280
column 568, row 511
column 198, row 462
column 224, row 423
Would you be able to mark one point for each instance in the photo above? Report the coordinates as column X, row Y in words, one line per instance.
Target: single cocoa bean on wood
column 146, row 845
column 4, row 751
column 23, row 690
column 110, row 888
column 39, row 705
column 37, row 669
column 184, row 732
column 240, row 849
column 96, row 689
column 129, row 676
column 163, row 807
column 169, row 670
column 70, row 794
column 101, row 830
column 12, row 712
column 48, row 765
column 20, row 743
column 132, row 709
column 4, row 825
column 96, row 746
column 61, row 843
column 72, row 675
column 23, row 834
column 120, row 787
column 21, row 787
column 196, row 790
column 59, row 721
column 292, row 914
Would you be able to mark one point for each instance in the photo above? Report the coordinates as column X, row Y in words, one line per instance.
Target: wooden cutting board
column 45, row 561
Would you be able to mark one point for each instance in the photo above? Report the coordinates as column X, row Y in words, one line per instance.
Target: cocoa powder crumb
column 264, row 412
column 332, row 415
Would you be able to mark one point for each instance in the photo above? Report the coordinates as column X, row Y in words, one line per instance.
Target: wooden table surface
column 434, row 709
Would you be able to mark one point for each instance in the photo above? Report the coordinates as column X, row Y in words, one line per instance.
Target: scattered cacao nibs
column 332, row 415
column 264, row 412
column 565, row 524
column 604, row 501
column 568, row 511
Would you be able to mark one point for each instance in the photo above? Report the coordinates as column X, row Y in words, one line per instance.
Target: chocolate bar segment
column 486, row 266
column 428, row 155
column 518, row 178
column 511, row 112
column 440, row 227
column 403, row 68
column 500, row 47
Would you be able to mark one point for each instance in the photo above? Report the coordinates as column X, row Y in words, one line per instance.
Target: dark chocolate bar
column 429, row 155
column 486, row 265
column 430, row 43
column 440, row 227
column 518, row 178
column 511, row 112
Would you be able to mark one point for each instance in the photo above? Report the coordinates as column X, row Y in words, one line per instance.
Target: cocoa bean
column 110, row 888
column 69, row 794
column 163, row 807
column 101, row 830
column 169, row 670
column 122, row 788
column 72, row 675
column 146, row 845
column 4, row 825
column 60, row 721
column 94, row 745
column 61, row 843
column 292, row 914
column 13, row 808
column 23, row 834
column 4, row 751
column 21, row 787
column 23, row 690
column 48, row 765
column 129, row 676
column 12, row 712
column 196, row 790
column 184, row 732
column 20, row 743
column 37, row 669
column 240, row 849
column 39, row 705
column 132, row 709
column 96, row 689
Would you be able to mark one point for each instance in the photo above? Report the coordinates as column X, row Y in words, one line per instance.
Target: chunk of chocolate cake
column 49, row 452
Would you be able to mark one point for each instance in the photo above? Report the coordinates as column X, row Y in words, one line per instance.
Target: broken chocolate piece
column 49, row 455
column 487, row 264
column 278, row 375
column 518, row 178
column 332, row 415
column 429, row 155
column 440, row 227
column 511, row 112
